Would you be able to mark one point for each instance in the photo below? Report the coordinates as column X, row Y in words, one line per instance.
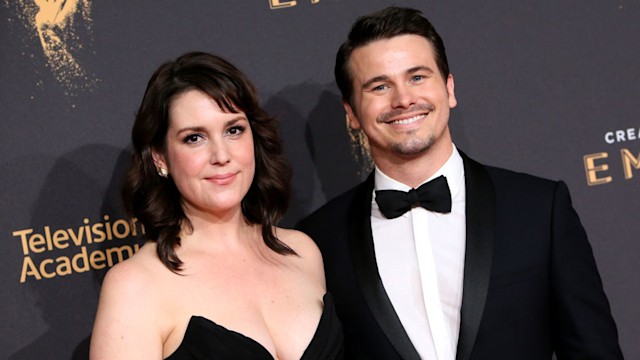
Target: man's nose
column 403, row 97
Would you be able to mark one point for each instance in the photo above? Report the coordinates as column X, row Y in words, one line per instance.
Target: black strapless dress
column 205, row 339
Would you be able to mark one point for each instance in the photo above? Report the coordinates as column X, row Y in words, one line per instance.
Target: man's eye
column 417, row 78
column 379, row 88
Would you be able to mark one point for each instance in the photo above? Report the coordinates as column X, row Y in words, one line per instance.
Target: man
column 499, row 267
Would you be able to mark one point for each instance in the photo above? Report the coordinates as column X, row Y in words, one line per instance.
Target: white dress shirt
column 420, row 257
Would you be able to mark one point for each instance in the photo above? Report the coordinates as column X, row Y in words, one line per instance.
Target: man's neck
column 414, row 170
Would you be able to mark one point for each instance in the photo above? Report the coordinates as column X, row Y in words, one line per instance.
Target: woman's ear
column 160, row 163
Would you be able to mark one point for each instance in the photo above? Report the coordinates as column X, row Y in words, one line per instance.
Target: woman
column 217, row 278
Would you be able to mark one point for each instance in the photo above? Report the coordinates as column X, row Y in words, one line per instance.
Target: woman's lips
column 222, row 179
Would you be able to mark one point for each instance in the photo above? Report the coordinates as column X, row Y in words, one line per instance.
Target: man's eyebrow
column 374, row 80
column 415, row 69
column 412, row 70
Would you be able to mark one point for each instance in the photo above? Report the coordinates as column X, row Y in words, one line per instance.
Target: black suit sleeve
column 582, row 322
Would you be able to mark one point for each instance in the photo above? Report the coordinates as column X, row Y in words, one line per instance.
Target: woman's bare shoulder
column 305, row 248
column 129, row 318
column 298, row 241
column 134, row 278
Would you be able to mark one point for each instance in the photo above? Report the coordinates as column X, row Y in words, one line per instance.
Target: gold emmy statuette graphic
column 56, row 24
column 52, row 15
column 360, row 150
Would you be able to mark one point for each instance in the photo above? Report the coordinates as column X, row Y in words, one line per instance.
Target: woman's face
column 209, row 154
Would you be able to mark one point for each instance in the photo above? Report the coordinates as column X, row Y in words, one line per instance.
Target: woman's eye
column 192, row 138
column 235, row 130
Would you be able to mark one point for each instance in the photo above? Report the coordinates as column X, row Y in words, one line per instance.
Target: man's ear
column 450, row 91
column 352, row 119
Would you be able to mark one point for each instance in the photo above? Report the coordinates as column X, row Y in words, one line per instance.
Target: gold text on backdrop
column 280, row 4
column 49, row 241
column 596, row 167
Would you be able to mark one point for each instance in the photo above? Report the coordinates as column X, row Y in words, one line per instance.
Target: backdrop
column 550, row 88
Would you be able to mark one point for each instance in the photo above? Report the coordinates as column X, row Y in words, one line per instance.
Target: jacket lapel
column 366, row 269
column 481, row 220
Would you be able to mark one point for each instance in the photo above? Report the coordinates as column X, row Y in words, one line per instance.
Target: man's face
column 400, row 99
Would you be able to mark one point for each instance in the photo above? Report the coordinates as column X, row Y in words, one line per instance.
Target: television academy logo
column 51, row 252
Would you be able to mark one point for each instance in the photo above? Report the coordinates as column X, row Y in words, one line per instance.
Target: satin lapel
column 366, row 269
column 481, row 219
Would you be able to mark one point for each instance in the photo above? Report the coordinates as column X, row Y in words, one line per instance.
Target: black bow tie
column 434, row 196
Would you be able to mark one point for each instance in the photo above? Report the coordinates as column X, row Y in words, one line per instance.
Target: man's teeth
column 409, row 120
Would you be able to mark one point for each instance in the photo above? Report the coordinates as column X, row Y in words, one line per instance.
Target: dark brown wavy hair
column 155, row 201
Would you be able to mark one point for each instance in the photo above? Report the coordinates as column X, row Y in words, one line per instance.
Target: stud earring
column 163, row 172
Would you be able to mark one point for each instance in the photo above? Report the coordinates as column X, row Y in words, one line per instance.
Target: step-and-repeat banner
column 549, row 88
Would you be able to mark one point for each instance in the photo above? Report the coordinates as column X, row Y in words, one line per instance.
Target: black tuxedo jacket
column 531, row 286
